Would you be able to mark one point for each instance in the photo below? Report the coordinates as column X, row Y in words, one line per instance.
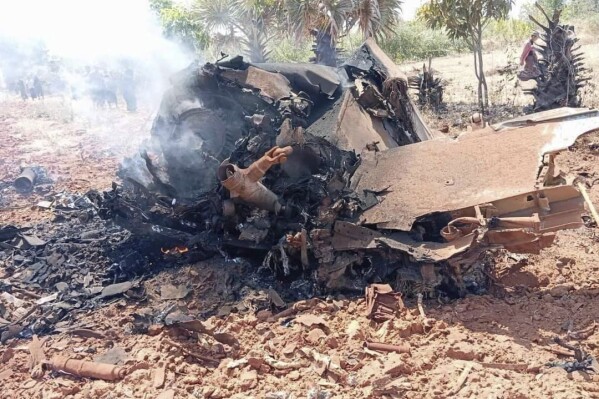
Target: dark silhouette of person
column 129, row 90
column 37, row 87
column 22, row 89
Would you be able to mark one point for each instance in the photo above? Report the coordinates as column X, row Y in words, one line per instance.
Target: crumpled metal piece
column 382, row 303
column 245, row 183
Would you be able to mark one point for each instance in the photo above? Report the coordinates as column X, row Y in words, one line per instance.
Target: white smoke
column 104, row 33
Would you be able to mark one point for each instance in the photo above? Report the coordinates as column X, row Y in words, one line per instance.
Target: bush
column 587, row 29
column 414, row 41
column 505, row 33
column 290, row 50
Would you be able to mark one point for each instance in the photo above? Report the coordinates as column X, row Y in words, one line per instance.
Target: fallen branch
column 279, row 365
column 426, row 322
column 582, row 334
column 462, row 378
column 519, row 367
column 560, row 352
column 192, row 354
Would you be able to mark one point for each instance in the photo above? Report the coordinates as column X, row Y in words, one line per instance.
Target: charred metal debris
column 53, row 270
column 330, row 175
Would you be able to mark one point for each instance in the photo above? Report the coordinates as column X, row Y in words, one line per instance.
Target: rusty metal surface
column 356, row 128
column 348, row 236
column 525, row 224
column 545, row 116
column 445, row 175
column 382, row 303
column 391, row 72
column 311, row 78
column 272, row 85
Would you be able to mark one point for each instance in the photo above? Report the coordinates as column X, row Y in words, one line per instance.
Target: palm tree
column 248, row 22
column 253, row 23
column 374, row 18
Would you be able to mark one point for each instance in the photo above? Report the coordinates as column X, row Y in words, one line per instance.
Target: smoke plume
column 108, row 34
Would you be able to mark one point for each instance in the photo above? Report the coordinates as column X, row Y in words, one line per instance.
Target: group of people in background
column 30, row 88
column 101, row 85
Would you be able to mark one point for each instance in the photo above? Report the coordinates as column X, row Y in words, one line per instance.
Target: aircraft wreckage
column 331, row 174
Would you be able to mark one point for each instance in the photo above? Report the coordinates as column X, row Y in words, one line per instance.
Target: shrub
column 290, row 50
column 414, row 41
column 505, row 33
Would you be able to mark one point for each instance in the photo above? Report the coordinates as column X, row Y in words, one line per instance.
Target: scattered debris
column 519, row 367
column 275, row 298
column 377, row 346
column 116, row 289
column 382, row 303
column 84, row 332
column 314, row 207
column 169, row 291
column 459, row 384
column 588, row 201
column 116, row 355
column 26, row 180
column 82, row 368
column 159, row 377
column 168, row 394
column 583, row 360
column 310, row 320
column 201, row 358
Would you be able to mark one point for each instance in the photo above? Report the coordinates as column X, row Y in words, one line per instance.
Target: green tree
column 529, row 7
column 466, row 20
column 179, row 24
column 582, row 8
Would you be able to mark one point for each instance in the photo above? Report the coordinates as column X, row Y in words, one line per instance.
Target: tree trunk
column 483, row 79
column 481, row 103
column 481, row 71
column 483, row 97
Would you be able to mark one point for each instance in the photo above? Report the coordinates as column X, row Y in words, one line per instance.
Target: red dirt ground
column 465, row 350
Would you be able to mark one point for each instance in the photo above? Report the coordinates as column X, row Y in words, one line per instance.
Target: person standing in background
column 129, row 90
column 529, row 60
column 37, row 87
column 22, row 89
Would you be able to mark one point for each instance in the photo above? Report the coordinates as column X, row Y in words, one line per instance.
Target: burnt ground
column 487, row 346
